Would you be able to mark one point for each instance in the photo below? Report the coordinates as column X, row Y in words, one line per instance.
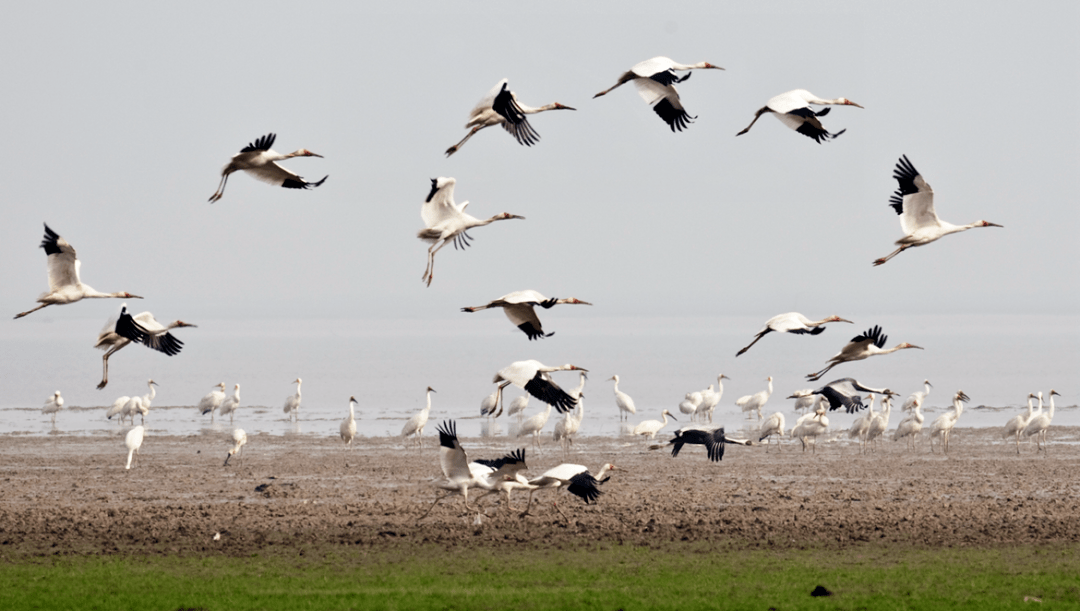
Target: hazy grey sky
column 119, row 116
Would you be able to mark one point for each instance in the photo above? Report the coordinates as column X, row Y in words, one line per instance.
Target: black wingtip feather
column 447, row 434
column 49, row 242
column 676, row 118
column 261, row 144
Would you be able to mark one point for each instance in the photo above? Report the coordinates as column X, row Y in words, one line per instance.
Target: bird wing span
column 852, row 403
column 439, row 205
column 274, row 174
column 651, row 91
column 261, row 144
column 872, row 335
column 914, row 199
column 62, row 264
column 524, row 317
column 788, row 101
column 452, row 457
column 543, row 388
column 585, row 486
column 127, row 327
column 515, row 122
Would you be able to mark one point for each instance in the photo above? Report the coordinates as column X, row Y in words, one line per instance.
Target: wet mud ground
column 71, row 495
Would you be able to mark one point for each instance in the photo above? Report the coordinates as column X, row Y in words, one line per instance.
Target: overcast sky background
column 119, row 116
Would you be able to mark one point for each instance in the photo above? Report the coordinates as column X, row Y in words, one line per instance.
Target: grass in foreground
column 594, row 577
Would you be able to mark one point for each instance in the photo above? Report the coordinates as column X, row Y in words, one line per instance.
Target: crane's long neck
column 529, row 110
column 1051, row 412
column 603, row 471
column 769, row 393
column 1040, row 410
column 352, row 412
column 1031, row 411
column 150, row 395
column 428, row 408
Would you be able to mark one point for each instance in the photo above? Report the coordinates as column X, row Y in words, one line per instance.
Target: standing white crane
column 534, row 378
column 230, row 404
column 239, row 439
column 793, row 109
column 1041, row 423
column 63, row 270
column 258, row 160
column 713, row 438
column 501, row 107
column 517, row 406
column 461, row 474
column 489, row 405
column 792, row 322
column 649, row 428
column 519, row 307
column 576, row 479
column 143, row 328
column 943, row 425
column 623, row 401
column 861, row 426
column 447, row 222
column 710, row 399
column 347, row 428
column 655, row 80
column 773, row 425
column 911, row 426
column 566, row 428
column 117, row 409
column 1015, row 426
column 690, row 403
column 212, row 401
column 845, row 393
column 756, row 401
column 53, row 405
column 880, row 422
column 415, row 425
column 914, row 202
column 811, row 426
column 292, row 404
column 921, row 395
column 140, row 405
column 867, row 344
column 133, row 440
column 534, row 425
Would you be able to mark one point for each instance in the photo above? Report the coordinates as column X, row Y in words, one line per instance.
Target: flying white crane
column 867, row 344
column 534, row 378
column 623, row 401
column 792, row 322
column 943, row 425
column 292, row 404
column 534, row 425
column 501, row 107
column 239, row 439
column 503, row 474
column 347, row 428
column 655, row 80
column 911, row 426
column 1041, row 423
column 230, row 404
column 566, row 428
column 415, row 425
column 519, row 307
column 920, row 395
column 880, row 422
column 861, row 426
column 713, row 438
column 143, row 328
column 773, row 425
column 212, row 401
column 649, row 428
column 447, row 222
column 576, row 479
column 133, row 440
column 756, row 401
column 461, row 474
column 63, row 270
column 914, row 202
column 1015, row 426
column 140, row 405
column 53, row 405
column 811, row 426
column 258, row 160
column 793, row 109
column 845, row 393
column 690, row 403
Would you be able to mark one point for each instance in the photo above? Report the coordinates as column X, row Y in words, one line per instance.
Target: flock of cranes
column 446, row 221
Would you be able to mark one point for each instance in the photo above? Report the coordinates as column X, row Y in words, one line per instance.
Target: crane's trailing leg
column 429, row 273
column 105, row 367
column 220, row 190
column 757, row 115
column 454, row 149
column 21, row 314
column 882, row 260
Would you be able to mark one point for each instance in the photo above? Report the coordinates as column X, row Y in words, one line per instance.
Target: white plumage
column 53, row 405
column 655, row 80
column 792, row 322
column 501, row 107
column 347, row 428
column 258, row 160
column 239, row 438
column 520, row 308
column 292, row 404
column 212, row 401
column 792, row 108
column 415, row 425
column 534, row 378
column 133, row 441
column 123, row 328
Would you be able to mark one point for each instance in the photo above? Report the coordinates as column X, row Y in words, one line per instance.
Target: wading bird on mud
column 415, row 426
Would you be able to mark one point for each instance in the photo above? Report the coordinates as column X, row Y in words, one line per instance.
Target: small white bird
column 143, row 328
column 690, row 403
column 623, row 401
column 914, row 202
column 239, row 439
column 230, row 404
column 655, row 80
column 258, row 160
column 756, row 401
column 711, row 399
column 140, row 405
column 861, row 426
column 1040, row 423
column 517, row 406
column 212, row 401
column 880, row 421
column 519, row 307
column 117, row 409
column 501, row 107
column 53, row 405
column 1015, row 426
column 292, row 404
column 793, row 109
column 649, row 428
column 772, row 426
column 911, row 426
column 865, row 345
column 921, row 395
column 792, row 322
column 133, row 440
column 415, row 426
column 63, row 270
column 348, row 425
column 943, row 425
column 566, row 428
column 447, row 222
column 811, row 426
column 490, row 404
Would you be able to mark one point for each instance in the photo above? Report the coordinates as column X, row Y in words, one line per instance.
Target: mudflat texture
column 71, row 495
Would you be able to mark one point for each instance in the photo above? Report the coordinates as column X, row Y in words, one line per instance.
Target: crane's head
column 837, row 319
column 559, row 106
column 847, row 102
column 305, row 153
column 575, row 300
column 506, row 215
column 130, row 296
column 711, row 66
column 181, row 323
column 927, row 382
column 722, row 377
column 987, row 224
column 353, row 400
column 614, row 377
column 569, row 367
column 152, row 383
column 297, row 381
column 960, row 396
column 907, row 345
column 1052, row 393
